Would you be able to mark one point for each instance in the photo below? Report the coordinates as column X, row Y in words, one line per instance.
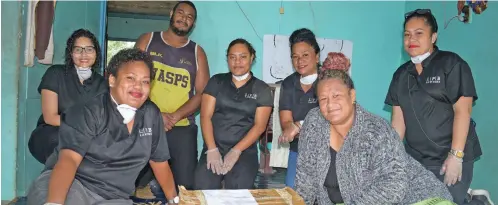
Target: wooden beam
column 156, row 8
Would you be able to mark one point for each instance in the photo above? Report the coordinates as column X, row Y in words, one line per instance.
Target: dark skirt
column 44, row 139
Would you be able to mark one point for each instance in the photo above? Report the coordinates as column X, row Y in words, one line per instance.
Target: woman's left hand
column 452, row 170
column 289, row 134
column 230, row 159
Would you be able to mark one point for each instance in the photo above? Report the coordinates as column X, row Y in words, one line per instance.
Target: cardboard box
column 285, row 196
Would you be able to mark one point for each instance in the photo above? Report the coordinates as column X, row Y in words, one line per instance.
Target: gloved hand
column 214, row 161
column 452, row 170
column 289, row 134
column 230, row 160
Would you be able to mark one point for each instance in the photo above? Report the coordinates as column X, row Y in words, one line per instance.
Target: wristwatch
column 457, row 153
column 175, row 200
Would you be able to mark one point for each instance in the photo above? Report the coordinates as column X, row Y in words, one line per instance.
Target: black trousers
column 458, row 190
column 43, row 141
column 182, row 143
column 242, row 175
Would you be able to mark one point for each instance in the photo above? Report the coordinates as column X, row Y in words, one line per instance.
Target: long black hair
column 68, row 61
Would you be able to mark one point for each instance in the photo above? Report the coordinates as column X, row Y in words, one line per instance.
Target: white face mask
column 241, row 77
column 126, row 111
column 83, row 73
column 420, row 58
column 308, row 80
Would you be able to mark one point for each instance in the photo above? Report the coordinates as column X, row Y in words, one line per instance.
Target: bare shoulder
column 143, row 40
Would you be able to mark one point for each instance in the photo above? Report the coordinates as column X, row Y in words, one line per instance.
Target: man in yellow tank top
column 181, row 73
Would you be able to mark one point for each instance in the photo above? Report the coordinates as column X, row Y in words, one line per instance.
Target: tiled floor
column 263, row 181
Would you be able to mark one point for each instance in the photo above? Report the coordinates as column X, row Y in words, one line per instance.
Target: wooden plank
column 157, row 8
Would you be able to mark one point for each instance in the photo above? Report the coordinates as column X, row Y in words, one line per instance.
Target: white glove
column 452, row 170
column 214, row 161
column 230, row 159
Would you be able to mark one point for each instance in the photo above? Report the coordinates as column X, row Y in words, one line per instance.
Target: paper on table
column 229, row 197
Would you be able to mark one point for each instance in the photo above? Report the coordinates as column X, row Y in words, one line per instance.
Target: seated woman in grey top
column 370, row 161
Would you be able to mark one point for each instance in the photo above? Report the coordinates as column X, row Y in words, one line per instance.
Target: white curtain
column 279, row 154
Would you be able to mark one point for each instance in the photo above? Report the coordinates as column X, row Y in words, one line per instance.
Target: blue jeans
column 291, row 169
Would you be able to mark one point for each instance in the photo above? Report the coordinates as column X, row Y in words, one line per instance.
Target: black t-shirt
column 65, row 82
column 294, row 99
column 331, row 182
column 427, row 104
column 235, row 109
column 112, row 157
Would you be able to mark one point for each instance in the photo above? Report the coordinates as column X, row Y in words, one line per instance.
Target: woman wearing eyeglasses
column 63, row 86
column 431, row 96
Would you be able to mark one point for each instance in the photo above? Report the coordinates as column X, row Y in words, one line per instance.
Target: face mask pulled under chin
column 241, row 77
column 83, row 73
column 308, row 80
column 126, row 111
column 420, row 58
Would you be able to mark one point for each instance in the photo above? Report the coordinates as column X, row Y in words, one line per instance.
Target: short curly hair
column 126, row 56
column 336, row 60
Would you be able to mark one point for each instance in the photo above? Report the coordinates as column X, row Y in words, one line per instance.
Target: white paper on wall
column 277, row 61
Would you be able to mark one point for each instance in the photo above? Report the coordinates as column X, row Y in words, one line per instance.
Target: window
column 114, row 47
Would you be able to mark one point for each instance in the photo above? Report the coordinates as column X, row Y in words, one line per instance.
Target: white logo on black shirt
column 145, row 132
column 311, row 100
column 251, row 96
column 433, row 79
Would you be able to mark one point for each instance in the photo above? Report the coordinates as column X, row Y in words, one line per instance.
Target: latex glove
column 452, row 170
column 230, row 160
column 289, row 134
column 214, row 161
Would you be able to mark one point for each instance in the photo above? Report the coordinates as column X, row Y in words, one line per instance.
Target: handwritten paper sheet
column 277, row 56
column 229, row 197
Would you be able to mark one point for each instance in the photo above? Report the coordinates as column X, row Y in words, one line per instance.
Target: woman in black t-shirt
column 235, row 110
column 297, row 95
column 63, row 86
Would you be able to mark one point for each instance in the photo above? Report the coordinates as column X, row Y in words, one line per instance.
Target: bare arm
column 260, row 122
column 398, row 121
column 201, row 79
column 164, row 176
column 461, row 122
column 50, row 106
column 142, row 41
column 63, row 175
column 286, row 119
column 207, row 111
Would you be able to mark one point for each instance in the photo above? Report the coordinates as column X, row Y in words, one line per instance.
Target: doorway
column 127, row 20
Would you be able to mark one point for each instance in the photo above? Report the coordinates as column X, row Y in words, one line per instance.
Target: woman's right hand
column 289, row 134
column 214, row 161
